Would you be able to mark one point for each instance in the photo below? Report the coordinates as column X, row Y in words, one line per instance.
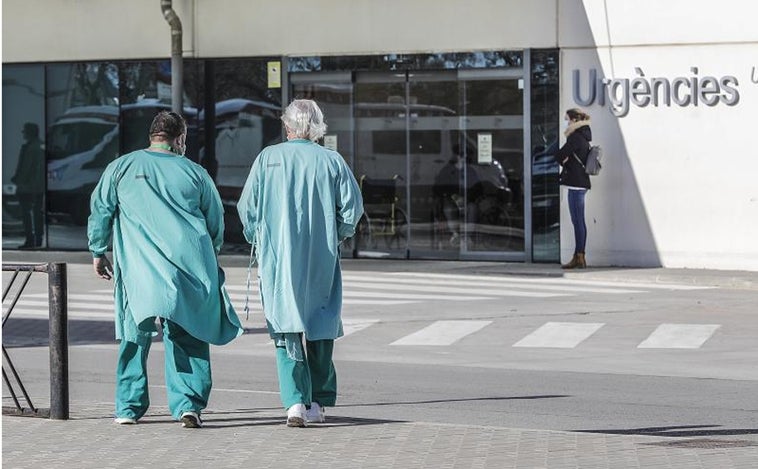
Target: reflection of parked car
column 545, row 189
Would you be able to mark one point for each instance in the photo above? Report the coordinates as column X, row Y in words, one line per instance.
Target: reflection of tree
column 305, row 64
column 246, row 79
column 545, row 98
column 138, row 80
column 94, row 84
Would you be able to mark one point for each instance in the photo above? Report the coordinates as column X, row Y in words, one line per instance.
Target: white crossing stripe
column 348, row 301
column 373, row 294
column 72, row 305
column 493, row 292
column 679, row 336
column 45, row 314
column 498, row 284
column 558, row 281
column 254, row 302
column 108, row 298
column 442, row 333
column 350, row 326
column 560, row 334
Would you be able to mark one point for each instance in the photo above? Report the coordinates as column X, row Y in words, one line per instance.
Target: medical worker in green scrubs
column 165, row 218
column 299, row 203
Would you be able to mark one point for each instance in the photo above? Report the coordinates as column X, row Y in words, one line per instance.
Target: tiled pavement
column 258, row 438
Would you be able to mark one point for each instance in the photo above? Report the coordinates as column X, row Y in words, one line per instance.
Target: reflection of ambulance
column 80, row 144
column 243, row 128
column 84, row 140
column 433, row 141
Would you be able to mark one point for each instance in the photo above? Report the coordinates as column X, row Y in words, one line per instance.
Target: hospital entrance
column 439, row 156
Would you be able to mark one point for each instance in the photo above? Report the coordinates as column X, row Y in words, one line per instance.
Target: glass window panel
column 83, row 137
column 494, row 97
column 334, row 95
column 381, row 163
column 494, row 200
column 544, row 128
column 433, row 147
column 23, row 156
column 245, row 119
column 388, row 62
column 145, row 91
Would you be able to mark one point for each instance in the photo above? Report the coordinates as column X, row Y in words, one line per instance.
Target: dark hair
column 577, row 114
column 167, row 125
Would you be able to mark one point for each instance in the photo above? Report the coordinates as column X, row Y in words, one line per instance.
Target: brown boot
column 580, row 262
column 572, row 263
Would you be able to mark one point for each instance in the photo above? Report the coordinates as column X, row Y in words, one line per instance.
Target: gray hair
column 304, row 119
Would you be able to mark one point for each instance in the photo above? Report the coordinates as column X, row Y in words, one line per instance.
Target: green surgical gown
column 166, row 220
column 299, row 202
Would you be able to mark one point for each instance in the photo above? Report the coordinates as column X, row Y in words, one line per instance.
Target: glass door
column 438, row 156
column 437, row 174
column 381, row 163
column 334, row 94
column 492, row 144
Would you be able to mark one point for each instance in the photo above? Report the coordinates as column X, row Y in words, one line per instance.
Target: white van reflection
column 83, row 141
column 449, row 186
column 243, row 128
column 80, row 144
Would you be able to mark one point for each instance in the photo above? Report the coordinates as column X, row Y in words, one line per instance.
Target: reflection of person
column 30, row 185
column 572, row 156
column 167, row 223
column 299, row 203
column 447, row 195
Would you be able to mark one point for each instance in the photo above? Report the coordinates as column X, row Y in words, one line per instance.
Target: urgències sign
column 641, row 91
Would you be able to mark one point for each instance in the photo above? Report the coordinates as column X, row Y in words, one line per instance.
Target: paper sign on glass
column 274, row 74
column 484, row 148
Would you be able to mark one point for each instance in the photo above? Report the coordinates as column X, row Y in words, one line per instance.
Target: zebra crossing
column 402, row 288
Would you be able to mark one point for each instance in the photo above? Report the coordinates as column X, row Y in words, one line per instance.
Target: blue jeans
column 576, row 208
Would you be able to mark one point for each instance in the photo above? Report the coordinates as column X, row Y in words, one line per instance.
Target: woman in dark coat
column 572, row 157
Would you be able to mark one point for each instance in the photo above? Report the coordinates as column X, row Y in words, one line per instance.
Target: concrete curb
column 730, row 279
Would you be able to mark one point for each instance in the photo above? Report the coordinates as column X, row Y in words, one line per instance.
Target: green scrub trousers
column 188, row 374
column 313, row 379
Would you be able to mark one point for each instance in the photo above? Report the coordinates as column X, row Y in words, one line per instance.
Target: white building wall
column 59, row 30
column 77, row 30
column 679, row 185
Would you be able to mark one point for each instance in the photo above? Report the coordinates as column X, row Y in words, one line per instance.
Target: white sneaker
column 191, row 420
column 124, row 421
column 296, row 416
column 315, row 414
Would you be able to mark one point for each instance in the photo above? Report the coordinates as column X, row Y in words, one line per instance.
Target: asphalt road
column 447, row 345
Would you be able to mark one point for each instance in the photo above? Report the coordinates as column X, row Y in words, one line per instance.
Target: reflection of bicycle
column 487, row 225
column 382, row 215
column 492, row 230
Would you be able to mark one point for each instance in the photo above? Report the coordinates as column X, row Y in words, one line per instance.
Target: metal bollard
column 58, row 340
